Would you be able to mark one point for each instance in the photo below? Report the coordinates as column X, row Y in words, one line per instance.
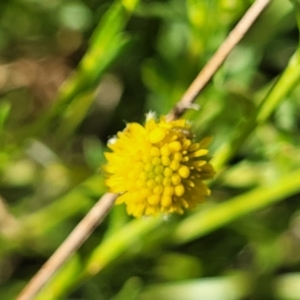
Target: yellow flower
column 157, row 168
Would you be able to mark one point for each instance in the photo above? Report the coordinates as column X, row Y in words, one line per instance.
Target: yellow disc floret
column 157, row 168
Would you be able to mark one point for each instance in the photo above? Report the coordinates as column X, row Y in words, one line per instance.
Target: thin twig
column 81, row 232
column 96, row 215
column 217, row 59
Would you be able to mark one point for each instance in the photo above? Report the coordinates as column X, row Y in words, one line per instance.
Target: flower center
column 160, row 173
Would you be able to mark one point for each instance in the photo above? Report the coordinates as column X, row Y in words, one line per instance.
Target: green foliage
column 73, row 71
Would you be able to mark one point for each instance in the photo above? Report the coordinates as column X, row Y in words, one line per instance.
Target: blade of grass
column 106, row 44
column 214, row 217
column 280, row 90
column 194, row 226
column 37, row 224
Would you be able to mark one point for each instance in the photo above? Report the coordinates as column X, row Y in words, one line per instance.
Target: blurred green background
column 72, row 73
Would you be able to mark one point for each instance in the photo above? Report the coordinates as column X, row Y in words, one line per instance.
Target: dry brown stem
column 95, row 216
column 76, row 238
column 186, row 102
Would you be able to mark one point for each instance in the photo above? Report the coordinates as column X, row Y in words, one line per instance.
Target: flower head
column 157, row 168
